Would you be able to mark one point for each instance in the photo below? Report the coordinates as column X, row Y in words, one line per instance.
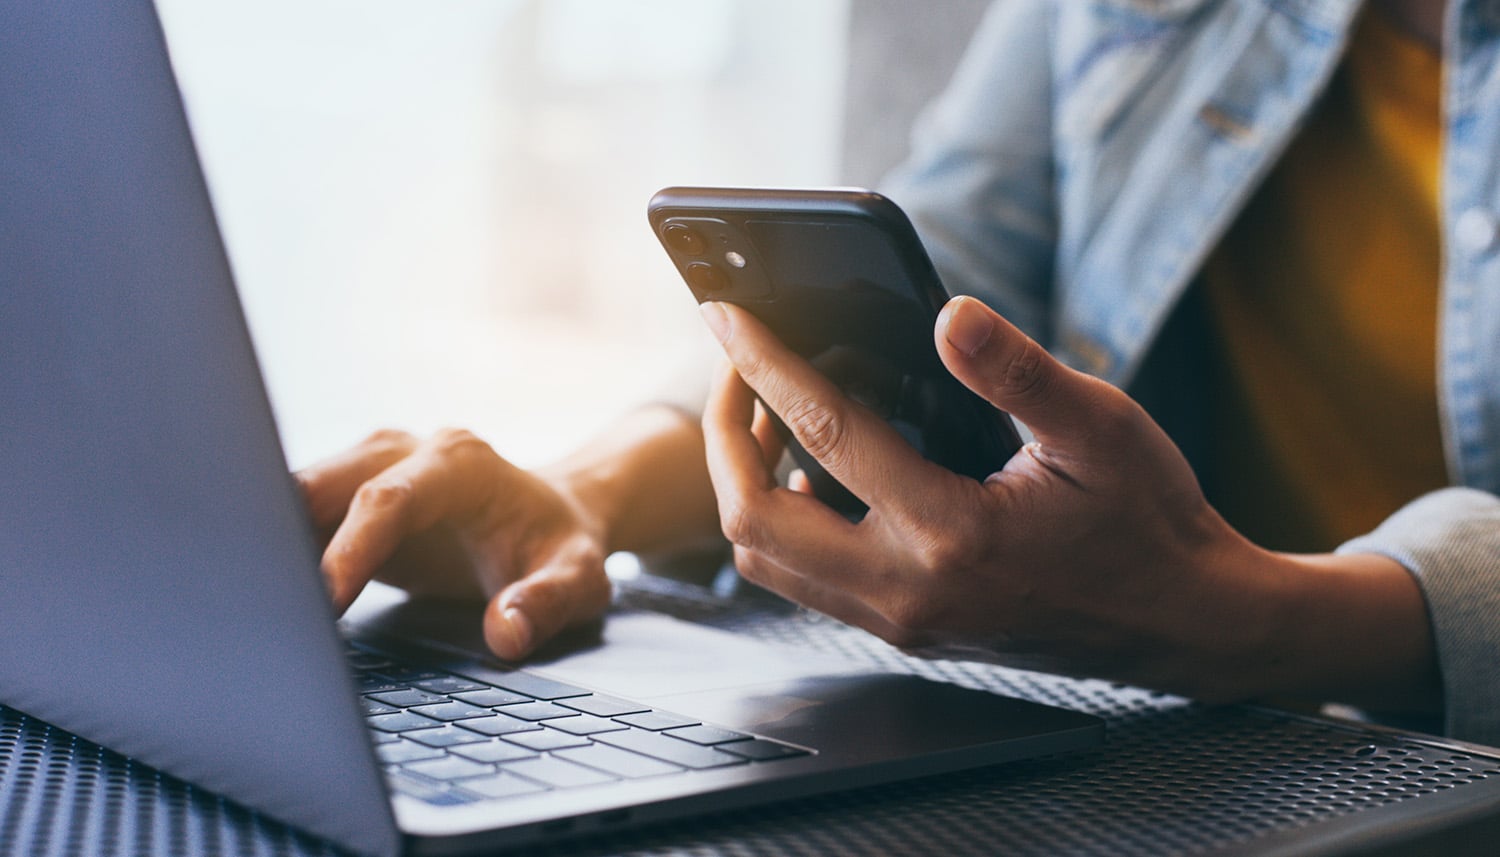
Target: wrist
column 1342, row 628
column 635, row 486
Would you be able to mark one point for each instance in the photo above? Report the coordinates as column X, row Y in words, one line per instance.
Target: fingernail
column 520, row 630
column 969, row 326
column 716, row 318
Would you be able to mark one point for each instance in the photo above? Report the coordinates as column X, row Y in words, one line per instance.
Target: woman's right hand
column 449, row 516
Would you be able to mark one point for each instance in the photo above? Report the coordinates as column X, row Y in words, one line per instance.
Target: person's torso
column 1167, row 119
column 1322, row 299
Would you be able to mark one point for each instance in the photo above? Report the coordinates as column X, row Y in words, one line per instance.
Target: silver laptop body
column 159, row 590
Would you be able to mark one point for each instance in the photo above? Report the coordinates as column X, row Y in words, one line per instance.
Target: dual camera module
column 705, row 252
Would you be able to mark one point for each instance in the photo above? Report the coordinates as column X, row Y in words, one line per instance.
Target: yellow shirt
column 1324, row 297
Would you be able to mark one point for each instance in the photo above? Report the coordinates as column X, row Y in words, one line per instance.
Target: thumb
column 1012, row 372
column 569, row 591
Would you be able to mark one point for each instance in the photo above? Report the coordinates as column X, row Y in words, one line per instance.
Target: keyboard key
column 557, row 773
column 448, row 736
column 500, row 724
column 533, row 686
column 493, row 751
column 536, row 711
column 447, row 684
column 371, row 707
column 405, row 721
column 452, row 711
column 761, row 750
column 706, row 735
column 621, row 763
column 655, row 721
column 586, row 724
column 603, row 706
column 491, row 697
column 667, row 749
column 408, row 675
column 546, row 739
column 384, row 737
column 427, row 790
column 449, row 768
column 367, row 660
column 375, row 684
column 405, row 751
column 502, row 785
column 407, row 697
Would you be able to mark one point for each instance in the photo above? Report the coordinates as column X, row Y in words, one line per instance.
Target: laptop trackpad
column 637, row 655
column 647, row 656
column 881, row 714
column 801, row 697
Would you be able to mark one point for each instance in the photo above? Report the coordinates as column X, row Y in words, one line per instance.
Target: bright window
column 436, row 211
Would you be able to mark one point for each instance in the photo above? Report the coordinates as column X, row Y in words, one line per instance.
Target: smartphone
column 841, row 277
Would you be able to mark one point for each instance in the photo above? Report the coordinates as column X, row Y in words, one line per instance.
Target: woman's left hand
column 1092, row 552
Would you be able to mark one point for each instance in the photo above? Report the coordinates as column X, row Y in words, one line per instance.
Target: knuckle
column 739, row 523
column 389, row 439
column 1027, row 377
column 457, row 443
column 938, row 556
column 388, row 496
column 819, row 428
column 943, row 551
column 753, row 368
column 454, row 438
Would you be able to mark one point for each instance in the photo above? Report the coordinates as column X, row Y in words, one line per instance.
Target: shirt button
column 1476, row 230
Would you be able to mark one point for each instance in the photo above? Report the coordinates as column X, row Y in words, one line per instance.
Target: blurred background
column 436, row 212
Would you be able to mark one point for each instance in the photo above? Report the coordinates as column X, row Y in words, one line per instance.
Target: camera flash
column 734, row 259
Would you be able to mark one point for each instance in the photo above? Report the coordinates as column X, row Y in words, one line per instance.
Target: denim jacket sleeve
column 994, row 196
column 979, row 183
column 1450, row 540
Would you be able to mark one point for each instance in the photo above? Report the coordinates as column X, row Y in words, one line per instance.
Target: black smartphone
column 841, row 277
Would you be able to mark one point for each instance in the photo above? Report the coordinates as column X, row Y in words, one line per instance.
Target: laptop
column 159, row 585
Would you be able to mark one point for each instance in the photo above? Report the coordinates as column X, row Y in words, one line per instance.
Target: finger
column 330, row 484
column 731, row 408
column 1015, row 374
column 451, row 476
column 569, row 590
column 797, row 481
column 821, row 597
column 772, row 442
column 856, row 447
column 792, row 529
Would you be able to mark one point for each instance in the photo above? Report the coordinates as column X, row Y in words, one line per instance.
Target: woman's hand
column 448, row 516
column 1091, row 552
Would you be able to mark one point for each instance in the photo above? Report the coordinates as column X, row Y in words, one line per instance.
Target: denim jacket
column 1087, row 158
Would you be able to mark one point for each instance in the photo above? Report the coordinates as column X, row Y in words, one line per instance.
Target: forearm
column 644, row 482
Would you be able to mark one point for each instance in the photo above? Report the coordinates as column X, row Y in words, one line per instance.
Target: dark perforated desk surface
column 1173, row 778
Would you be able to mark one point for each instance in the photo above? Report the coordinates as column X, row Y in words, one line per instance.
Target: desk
column 1174, row 777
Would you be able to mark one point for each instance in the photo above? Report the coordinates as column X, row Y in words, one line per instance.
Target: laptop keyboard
column 477, row 733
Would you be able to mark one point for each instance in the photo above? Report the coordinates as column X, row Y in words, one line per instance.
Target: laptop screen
column 153, row 549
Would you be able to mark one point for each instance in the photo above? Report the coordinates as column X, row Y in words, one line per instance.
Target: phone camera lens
column 704, row 277
column 683, row 239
